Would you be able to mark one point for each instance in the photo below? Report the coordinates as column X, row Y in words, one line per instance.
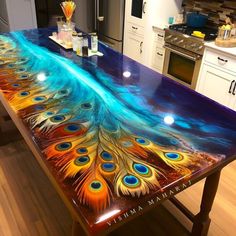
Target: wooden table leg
column 202, row 220
column 77, row 230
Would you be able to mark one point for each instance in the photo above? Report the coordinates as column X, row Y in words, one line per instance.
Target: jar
column 85, row 47
column 79, row 44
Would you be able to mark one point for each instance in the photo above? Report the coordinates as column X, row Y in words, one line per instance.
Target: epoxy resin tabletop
column 116, row 135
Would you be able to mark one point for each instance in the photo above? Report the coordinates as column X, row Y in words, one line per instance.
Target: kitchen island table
column 115, row 138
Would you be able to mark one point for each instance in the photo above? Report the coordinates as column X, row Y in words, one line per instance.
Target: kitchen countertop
column 113, row 133
column 231, row 51
column 160, row 26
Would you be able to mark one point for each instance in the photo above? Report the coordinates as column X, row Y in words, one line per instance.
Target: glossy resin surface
column 116, row 136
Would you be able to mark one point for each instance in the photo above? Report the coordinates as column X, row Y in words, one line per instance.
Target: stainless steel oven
column 182, row 65
column 183, row 55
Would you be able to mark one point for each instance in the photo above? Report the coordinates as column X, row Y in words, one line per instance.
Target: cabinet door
column 24, row 17
column 234, row 101
column 133, row 47
column 136, row 11
column 216, row 84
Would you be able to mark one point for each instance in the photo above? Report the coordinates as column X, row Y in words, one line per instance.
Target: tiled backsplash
column 217, row 10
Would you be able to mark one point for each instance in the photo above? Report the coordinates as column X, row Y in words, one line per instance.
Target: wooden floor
column 30, row 206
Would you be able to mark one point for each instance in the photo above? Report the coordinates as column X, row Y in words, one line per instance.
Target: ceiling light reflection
column 107, row 216
column 126, row 74
column 41, row 77
column 169, row 120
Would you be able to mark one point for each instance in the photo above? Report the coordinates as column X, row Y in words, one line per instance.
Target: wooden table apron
column 141, row 159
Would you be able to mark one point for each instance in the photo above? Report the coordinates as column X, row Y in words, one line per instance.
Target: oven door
column 181, row 65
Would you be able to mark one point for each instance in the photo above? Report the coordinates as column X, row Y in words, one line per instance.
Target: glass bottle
column 94, row 42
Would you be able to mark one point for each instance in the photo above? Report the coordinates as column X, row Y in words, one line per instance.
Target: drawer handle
column 159, row 35
column 144, row 7
column 231, row 85
column 159, row 54
column 223, row 60
column 234, row 89
column 135, row 28
column 141, row 48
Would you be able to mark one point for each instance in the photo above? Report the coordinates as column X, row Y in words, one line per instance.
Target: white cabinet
column 217, row 77
column 136, row 11
column 143, row 15
column 135, row 49
column 215, row 84
column 158, row 51
column 134, row 31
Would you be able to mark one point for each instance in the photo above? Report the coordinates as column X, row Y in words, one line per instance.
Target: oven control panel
column 183, row 41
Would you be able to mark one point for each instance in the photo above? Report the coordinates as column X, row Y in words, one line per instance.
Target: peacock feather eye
column 49, row 113
column 108, row 167
column 82, row 150
column 106, row 156
column 20, row 70
column 86, row 105
column 71, row 128
column 39, row 99
column 63, row 92
column 141, row 169
column 22, row 59
column 63, row 146
column 142, row 141
column 131, row 181
column 24, row 93
column 39, row 108
column 16, row 85
column 24, row 76
column 173, row 156
column 57, row 119
column 95, row 186
column 81, row 161
column 11, row 65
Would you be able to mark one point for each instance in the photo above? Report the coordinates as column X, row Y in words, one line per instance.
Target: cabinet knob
column 231, row 86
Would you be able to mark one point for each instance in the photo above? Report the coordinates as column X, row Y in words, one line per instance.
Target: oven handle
column 183, row 54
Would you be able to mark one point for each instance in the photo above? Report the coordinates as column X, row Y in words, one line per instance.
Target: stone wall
column 217, row 10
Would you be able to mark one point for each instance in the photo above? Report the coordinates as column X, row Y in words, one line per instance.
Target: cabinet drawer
column 159, row 36
column 221, row 60
column 158, row 58
column 135, row 29
column 134, row 47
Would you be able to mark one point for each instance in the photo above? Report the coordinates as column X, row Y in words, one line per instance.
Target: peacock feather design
column 102, row 139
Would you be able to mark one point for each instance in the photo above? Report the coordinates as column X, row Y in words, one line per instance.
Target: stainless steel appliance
column 138, row 8
column 184, row 53
column 4, row 25
column 106, row 17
